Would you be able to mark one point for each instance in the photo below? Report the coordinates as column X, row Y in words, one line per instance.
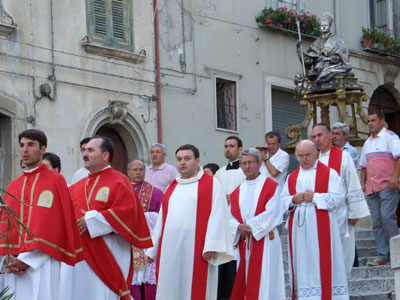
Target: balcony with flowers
column 380, row 41
column 283, row 20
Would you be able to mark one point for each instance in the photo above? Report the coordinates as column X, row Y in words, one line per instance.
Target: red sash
column 204, row 206
column 335, row 159
column 324, row 234
column 251, row 288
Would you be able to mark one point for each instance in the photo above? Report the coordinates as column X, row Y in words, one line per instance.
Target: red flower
column 268, row 21
column 280, row 25
column 285, row 8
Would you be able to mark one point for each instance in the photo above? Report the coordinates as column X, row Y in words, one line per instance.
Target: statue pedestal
column 341, row 97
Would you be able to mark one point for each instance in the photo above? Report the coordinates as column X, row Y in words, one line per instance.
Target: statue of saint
column 326, row 57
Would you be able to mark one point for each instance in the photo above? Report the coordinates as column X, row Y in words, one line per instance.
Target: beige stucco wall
column 85, row 82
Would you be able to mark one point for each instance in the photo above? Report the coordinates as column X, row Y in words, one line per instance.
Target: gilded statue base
column 341, row 97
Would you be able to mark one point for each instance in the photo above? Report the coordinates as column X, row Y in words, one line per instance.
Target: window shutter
column 100, row 18
column 117, row 10
column 109, row 22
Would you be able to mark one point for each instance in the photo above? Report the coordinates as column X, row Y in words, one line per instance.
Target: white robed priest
column 311, row 195
column 256, row 210
column 355, row 206
column 191, row 237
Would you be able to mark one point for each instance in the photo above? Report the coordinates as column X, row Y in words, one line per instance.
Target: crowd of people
column 195, row 232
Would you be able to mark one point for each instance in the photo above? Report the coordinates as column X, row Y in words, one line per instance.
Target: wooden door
column 120, row 159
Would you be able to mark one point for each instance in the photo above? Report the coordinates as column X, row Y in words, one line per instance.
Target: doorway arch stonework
column 129, row 128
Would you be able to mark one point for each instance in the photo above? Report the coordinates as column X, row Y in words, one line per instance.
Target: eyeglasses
column 305, row 156
column 252, row 162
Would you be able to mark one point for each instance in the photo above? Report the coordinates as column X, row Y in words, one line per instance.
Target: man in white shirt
column 82, row 172
column 275, row 160
column 340, row 132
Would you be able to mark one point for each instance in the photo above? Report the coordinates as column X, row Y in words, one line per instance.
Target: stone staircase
column 365, row 283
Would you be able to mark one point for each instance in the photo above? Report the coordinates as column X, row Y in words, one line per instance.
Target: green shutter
column 110, row 22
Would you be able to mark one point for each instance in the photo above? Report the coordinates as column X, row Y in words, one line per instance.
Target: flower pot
column 368, row 43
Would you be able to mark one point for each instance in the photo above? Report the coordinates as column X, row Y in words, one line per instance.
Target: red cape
column 110, row 193
column 48, row 213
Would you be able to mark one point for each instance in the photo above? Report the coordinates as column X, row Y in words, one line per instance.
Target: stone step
column 374, row 296
column 371, row 285
column 364, row 234
column 371, row 272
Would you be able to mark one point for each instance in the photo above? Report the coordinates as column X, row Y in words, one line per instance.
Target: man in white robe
column 355, row 205
column 311, row 194
column 191, row 237
column 230, row 177
column 255, row 212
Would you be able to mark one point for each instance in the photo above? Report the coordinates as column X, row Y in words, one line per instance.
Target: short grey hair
column 345, row 128
column 162, row 146
column 309, row 143
column 251, row 151
column 139, row 159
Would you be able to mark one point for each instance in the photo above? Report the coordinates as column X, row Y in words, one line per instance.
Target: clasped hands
column 14, row 265
column 299, row 198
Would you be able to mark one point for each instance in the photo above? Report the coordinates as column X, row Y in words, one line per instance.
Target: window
column 109, row 22
column 290, row 4
column 381, row 14
column 226, row 95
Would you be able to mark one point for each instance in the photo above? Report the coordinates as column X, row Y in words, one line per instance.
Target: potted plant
column 368, row 37
column 285, row 19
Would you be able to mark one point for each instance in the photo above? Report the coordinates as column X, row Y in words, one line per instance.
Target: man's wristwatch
column 265, row 160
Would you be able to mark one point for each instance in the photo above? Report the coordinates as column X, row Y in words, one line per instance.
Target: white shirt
column 280, row 160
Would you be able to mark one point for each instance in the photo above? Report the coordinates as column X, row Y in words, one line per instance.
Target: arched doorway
column 384, row 99
column 120, row 157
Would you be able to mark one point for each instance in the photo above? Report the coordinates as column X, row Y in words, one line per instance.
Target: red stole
column 204, row 206
column 324, row 234
column 335, row 159
column 250, row 290
column 111, row 193
column 45, row 207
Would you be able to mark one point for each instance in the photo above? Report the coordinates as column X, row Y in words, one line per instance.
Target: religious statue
column 325, row 60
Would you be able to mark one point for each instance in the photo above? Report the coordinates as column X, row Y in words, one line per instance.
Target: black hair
column 54, row 160
column 35, row 135
column 106, row 145
column 324, row 125
column 189, row 147
column 379, row 113
column 273, row 133
column 237, row 139
column 213, row 167
column 84, row 141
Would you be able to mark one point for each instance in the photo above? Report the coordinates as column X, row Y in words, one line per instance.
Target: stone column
column 395, row 262
column 396, row 18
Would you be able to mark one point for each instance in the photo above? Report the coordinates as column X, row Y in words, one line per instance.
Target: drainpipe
column 158, row 72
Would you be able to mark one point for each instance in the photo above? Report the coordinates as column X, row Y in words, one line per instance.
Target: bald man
column 311, row 195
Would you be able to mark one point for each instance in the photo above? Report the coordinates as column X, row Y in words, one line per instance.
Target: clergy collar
column 254, row 181
column 31, row 170
column 109, row 166
column 233, row 165
column 310, row 169
column 181, row 180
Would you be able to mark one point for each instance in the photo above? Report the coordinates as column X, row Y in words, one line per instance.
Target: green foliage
column 382, row 41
